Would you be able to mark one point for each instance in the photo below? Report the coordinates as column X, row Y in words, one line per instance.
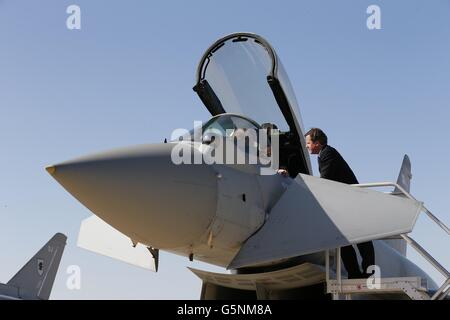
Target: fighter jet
column 35, row 280
column 277, row 235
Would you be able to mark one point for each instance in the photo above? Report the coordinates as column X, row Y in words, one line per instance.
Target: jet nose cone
column 51, row 169
column 143, row 194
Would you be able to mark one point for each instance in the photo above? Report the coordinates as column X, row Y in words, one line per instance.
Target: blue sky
column 126, row 78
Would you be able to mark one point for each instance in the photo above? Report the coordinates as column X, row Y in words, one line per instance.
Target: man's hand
column 283, row 172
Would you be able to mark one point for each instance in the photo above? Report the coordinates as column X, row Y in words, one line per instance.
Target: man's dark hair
column 317, row 135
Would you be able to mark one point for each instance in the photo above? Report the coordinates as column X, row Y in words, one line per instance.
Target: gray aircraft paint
column 34, row 281
column 198, row 211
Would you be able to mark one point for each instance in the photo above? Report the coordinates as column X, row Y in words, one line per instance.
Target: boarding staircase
column 414, row 287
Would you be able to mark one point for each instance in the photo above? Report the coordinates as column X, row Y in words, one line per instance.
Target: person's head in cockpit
column 316, row 140
column 269, row 127
column 239, row 133
column 267, row 149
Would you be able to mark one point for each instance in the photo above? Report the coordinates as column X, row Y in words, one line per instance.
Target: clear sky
column 126, row 78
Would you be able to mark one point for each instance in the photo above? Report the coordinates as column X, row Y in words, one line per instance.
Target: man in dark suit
column 333, row 167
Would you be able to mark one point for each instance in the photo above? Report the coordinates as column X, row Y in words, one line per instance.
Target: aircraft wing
column 316, row 214
column 97, row 236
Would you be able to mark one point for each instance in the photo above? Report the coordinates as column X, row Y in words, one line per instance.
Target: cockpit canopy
column 228, row 124
column 224, row 125
column 241, row 74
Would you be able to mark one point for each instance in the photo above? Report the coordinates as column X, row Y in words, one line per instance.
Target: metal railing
column 445, row 288
column 337, row 262
column 407, row 194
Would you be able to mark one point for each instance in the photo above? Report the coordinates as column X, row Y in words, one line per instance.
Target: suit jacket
column 333, row 167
